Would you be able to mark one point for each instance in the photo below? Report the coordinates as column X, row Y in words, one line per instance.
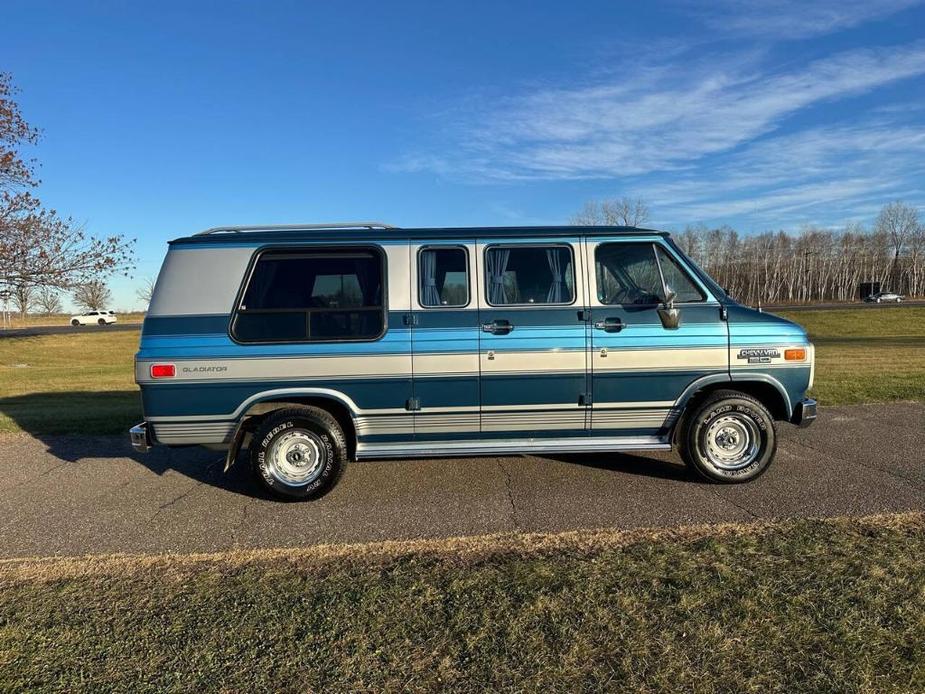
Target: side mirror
column 668, row 314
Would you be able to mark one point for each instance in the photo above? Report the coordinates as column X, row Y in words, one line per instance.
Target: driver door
column 640, row 366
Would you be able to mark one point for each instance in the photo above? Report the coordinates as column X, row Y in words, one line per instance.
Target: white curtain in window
column 430, row 296
column 497, row 265
column 556, row 293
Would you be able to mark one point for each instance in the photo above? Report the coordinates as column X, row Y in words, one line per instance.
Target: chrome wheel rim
column 733, row 442
column 296, row 458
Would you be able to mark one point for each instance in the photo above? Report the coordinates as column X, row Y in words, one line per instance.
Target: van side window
column 443, row 276
column 628, row 273
column 322, row 294
column 529, row 275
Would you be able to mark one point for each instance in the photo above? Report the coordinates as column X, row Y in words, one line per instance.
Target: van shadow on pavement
column 59, row 421
column 631, row 464
column 83, row 425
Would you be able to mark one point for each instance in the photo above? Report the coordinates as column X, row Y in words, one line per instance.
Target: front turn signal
column 797, row 354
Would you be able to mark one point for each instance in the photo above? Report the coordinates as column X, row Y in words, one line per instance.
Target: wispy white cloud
column 706, row 134
column 659, row 118
column 776, row 180
column 796, row 19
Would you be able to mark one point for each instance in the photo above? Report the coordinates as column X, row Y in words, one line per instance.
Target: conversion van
column 313, row 345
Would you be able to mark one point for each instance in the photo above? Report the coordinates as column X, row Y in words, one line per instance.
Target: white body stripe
column 275, row 368
column 696, row 358
column 526, row 362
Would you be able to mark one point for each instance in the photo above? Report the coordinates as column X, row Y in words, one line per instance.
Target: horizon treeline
column 812, row 265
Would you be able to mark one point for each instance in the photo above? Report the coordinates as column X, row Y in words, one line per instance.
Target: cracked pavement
column 75, row 495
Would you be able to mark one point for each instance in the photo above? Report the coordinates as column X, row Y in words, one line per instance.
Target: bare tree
column 92, row 296
column 898, row 221
column 23, row 297
column 917, row 261
column 146, row 291
column 622, row 212
column 48, row 301
column 37, row 246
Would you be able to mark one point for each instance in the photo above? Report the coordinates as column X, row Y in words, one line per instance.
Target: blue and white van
column 313, row 345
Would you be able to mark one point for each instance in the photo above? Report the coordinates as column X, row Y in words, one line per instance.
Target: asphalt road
column 85, row 495
column 66, row 329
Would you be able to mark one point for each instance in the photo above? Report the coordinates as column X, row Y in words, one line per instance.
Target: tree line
column 783, row 267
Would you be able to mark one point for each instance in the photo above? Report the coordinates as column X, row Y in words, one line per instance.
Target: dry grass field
column 822, row 606
column 81, row 382
column 867, row 355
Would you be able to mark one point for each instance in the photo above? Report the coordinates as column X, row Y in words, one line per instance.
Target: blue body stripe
column 459, row 331
column 223, row 398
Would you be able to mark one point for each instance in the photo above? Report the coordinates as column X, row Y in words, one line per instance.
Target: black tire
column 726, row 417
column 101, row 321
column 75, row 323
column 323, row 450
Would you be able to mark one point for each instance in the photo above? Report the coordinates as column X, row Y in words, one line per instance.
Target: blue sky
column 164, row 118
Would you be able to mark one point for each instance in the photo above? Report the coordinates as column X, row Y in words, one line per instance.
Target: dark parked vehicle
column 884, row 297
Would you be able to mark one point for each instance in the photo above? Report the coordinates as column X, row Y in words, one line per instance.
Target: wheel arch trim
column 282, row 393
column 731, row 380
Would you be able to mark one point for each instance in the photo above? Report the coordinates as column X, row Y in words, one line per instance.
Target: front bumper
column 804, row 413
column 141, row 438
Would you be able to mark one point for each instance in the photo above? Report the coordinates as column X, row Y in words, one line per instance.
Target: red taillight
column 163, row 370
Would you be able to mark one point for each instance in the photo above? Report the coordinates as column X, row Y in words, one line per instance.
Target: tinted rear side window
column 320, row 294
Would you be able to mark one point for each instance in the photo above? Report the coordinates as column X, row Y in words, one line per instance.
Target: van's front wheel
column 730, row 437
column 299, row 453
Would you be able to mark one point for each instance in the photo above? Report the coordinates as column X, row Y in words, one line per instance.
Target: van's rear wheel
column 730, row 437
column 75, row 323
column 299, row 452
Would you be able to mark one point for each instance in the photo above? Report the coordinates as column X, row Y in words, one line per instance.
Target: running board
column 432, row 449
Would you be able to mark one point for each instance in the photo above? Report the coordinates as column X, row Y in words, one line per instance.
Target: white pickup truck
column 94, row 317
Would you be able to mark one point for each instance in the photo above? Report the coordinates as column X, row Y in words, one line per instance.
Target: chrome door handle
column 610, row 325
column 498, row 327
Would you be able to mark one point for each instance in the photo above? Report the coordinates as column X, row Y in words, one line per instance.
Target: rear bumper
column 804, row 413
column 141, row 438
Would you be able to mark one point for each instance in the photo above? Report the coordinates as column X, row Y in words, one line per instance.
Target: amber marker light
column 796, row 354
